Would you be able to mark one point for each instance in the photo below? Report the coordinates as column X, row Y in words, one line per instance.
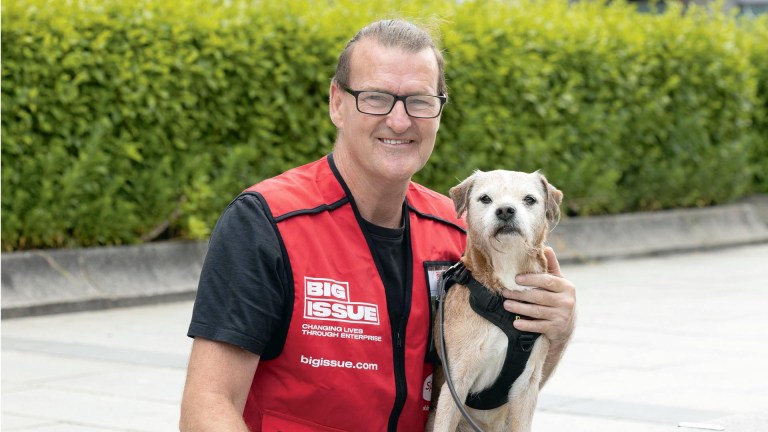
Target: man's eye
column 529, row 200
column 485, row 199
column 374, row 100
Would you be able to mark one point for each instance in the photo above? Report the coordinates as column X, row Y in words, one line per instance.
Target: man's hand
column 551, row 305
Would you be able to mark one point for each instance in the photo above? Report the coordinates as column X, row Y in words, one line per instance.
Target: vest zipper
column 401, row 389
column 398, row 334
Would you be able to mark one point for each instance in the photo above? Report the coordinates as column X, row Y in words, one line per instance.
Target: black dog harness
column 491, row 307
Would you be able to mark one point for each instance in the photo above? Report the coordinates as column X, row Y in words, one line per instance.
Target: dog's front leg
column 447, row 415
column 521, row 409
column 525, row 391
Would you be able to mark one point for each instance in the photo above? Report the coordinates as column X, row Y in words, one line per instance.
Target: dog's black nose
column 505, row 213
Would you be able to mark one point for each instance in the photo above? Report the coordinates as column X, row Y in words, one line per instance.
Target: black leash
column 443, row 291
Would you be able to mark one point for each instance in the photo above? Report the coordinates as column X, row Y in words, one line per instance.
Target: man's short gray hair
column 392, row 34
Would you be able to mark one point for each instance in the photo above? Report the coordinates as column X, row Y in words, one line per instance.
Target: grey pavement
column 660, row 340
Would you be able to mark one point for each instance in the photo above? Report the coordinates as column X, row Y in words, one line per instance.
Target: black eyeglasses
column 380, row 103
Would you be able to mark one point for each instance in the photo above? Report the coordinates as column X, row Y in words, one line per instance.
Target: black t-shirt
column 389, row 246
column 243, row 297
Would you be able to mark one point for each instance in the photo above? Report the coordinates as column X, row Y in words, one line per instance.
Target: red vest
column 336, row 370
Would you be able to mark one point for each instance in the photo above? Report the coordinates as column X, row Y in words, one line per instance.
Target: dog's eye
column 529, row 200
column 485, row 199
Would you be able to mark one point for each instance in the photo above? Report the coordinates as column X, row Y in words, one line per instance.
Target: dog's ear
column 553, row 199
column 460, row 194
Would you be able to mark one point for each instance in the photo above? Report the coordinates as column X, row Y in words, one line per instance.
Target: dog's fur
column 508, row 216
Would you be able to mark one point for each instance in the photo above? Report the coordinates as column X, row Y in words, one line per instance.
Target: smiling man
column 313, row 307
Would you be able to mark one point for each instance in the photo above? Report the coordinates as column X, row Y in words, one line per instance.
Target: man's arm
column 218, row 379
column 551, row 305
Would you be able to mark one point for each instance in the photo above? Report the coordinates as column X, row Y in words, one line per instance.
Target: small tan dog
column 508, row 216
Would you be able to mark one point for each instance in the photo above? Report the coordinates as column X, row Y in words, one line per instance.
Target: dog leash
column 444, row 355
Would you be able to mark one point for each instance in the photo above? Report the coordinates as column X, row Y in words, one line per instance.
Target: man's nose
column 398, row 120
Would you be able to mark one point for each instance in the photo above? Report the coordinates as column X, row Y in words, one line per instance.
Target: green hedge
column 758, row 50
column 624, row 111
column 124, row 120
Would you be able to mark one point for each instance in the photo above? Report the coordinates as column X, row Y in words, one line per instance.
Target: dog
column 508, row 214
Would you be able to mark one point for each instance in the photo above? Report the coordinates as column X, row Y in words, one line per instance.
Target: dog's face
column 504, row 206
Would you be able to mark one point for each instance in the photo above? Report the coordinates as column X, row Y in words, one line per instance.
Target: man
column 313, row 310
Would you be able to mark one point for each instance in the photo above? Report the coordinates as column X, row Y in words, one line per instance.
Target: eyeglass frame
column 355, row 93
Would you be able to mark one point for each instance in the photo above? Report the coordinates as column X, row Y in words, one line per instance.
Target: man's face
column 390, row 148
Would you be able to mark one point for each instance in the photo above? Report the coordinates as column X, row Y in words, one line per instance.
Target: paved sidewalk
column 660, row 340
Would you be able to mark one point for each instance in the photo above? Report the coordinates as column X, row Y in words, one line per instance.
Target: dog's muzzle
column 507, row 222
column 509, row 228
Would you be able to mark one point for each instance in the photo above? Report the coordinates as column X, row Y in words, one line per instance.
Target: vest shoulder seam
column 314, row 210
column 436, row 218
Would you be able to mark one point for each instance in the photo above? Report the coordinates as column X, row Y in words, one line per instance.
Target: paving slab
column 93, row 410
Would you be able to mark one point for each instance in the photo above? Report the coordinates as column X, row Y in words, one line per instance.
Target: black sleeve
column 241, row 294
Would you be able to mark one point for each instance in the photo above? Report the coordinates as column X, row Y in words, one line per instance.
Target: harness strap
column 519, row 344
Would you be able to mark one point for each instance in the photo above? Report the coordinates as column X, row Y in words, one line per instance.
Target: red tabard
column 341, row 368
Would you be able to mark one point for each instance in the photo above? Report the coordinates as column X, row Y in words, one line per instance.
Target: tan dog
column 508, row 215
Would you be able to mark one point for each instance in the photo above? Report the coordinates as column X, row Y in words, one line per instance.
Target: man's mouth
column 389, row 141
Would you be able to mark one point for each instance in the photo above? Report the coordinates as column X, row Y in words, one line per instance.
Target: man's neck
column 379, row 202
column 375, row 211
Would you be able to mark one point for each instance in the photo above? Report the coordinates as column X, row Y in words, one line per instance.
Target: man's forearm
column 210, row 413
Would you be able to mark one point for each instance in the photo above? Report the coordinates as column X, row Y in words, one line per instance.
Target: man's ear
column 553, row 199
column 335, row 102
column 460, row 194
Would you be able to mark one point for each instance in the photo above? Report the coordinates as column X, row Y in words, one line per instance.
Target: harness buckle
column 526, row 341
